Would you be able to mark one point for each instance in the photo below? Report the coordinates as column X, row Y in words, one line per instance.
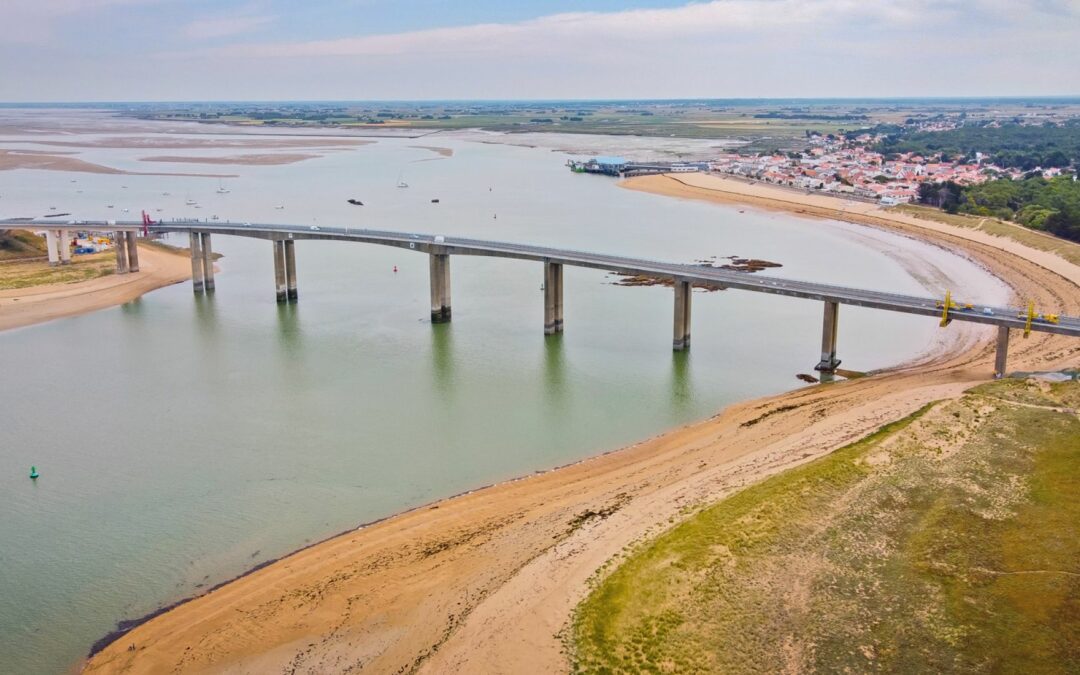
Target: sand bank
column 157, row 268
column 486, row 582
column 253, row 160
column 185, row 143
column 442, row 152
column 18, row 159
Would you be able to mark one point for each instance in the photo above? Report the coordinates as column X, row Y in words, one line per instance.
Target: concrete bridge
column 682, row 276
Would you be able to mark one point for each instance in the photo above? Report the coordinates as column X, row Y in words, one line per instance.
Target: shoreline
column 488, row 578
column 38, row 304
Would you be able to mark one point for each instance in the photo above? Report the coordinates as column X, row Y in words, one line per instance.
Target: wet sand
column 486, row 582
column 27, row 306
column 251, row 160
column 442, row 152
column 158, row 141
column 19, row 159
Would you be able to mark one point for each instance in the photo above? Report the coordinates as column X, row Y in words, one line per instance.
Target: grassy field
column 1033, row 238
column 39, row 272
column 946, row 542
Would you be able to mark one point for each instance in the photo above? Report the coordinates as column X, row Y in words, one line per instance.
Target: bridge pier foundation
column 208, row 262
column 290, row 271
column 683, row 294
column 279, row 270
column 197, row 277
column 829, row 362
column 65, row 247
column 50, row 245
column 553, row 298
column 132, row 251
column 440, row 287
column 120, row 244
column 1001, row 357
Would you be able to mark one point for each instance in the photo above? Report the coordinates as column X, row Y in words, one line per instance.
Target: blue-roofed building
column 611, row 166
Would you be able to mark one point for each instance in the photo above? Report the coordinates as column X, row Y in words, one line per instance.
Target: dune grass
column 946, row 542
column 1041, row 241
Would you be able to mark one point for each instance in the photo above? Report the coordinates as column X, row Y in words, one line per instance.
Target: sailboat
column 401, row 183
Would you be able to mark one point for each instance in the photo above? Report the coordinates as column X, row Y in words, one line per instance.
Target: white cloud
column 225, row 26
column 717, row 18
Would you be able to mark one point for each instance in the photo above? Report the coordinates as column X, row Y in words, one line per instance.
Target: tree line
column 1051, row 205
column 1010, row 145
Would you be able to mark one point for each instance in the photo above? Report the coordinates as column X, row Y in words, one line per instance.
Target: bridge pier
column 1001, row 357
column 553, row 298
column 50, row 245
column 132, row 252
column 65, row 247
column 197, row 277
column 120, row 244
column 683, row 293
column 829, row 362
column 440, row 287
column 208, row 261
column 290, row 270
column 279, row 270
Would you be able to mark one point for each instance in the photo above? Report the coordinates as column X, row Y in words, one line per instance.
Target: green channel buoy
column 33, row 472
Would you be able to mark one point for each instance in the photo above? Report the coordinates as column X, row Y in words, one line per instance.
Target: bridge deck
column 697, row 275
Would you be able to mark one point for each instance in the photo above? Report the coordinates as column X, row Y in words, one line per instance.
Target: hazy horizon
column 431, row 50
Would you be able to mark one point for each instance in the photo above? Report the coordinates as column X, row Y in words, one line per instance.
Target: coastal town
column 846, row 166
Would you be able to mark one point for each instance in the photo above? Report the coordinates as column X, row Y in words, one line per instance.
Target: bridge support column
column 208, row 262
column 290, row 270
column 54, row 252
column 65, row 247
column 196, row 262
column 132, row 252
column 829, row 362
column 1002, row 355
column 553, row 298
column 440, row 287
column 120, row 244
column 683, row 293
column 279, row 270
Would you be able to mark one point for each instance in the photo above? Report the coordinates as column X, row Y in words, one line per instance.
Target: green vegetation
column 38, row 273
column 999, row 228
column 946, row 542
column 16, row 244
column 1009, row 145
column 1052, row 205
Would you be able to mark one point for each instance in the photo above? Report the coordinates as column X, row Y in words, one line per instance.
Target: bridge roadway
column 683, row 276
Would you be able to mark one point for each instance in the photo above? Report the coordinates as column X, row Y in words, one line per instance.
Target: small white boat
column 279, row 206
column 109, row 206
column 401, row 182
column 221, row 190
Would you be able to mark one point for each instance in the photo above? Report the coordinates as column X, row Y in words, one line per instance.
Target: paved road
column 701, row 276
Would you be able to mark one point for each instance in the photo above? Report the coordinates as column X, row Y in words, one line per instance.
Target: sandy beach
column 486, row 582
column 28, row 306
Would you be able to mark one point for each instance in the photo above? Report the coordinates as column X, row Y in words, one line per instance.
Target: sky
column 176, row 50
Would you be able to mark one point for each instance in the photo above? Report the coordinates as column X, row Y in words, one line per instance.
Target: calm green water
column 182, row 440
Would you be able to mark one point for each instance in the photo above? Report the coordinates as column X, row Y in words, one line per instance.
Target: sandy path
column 26, row 306
column 485, row 582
